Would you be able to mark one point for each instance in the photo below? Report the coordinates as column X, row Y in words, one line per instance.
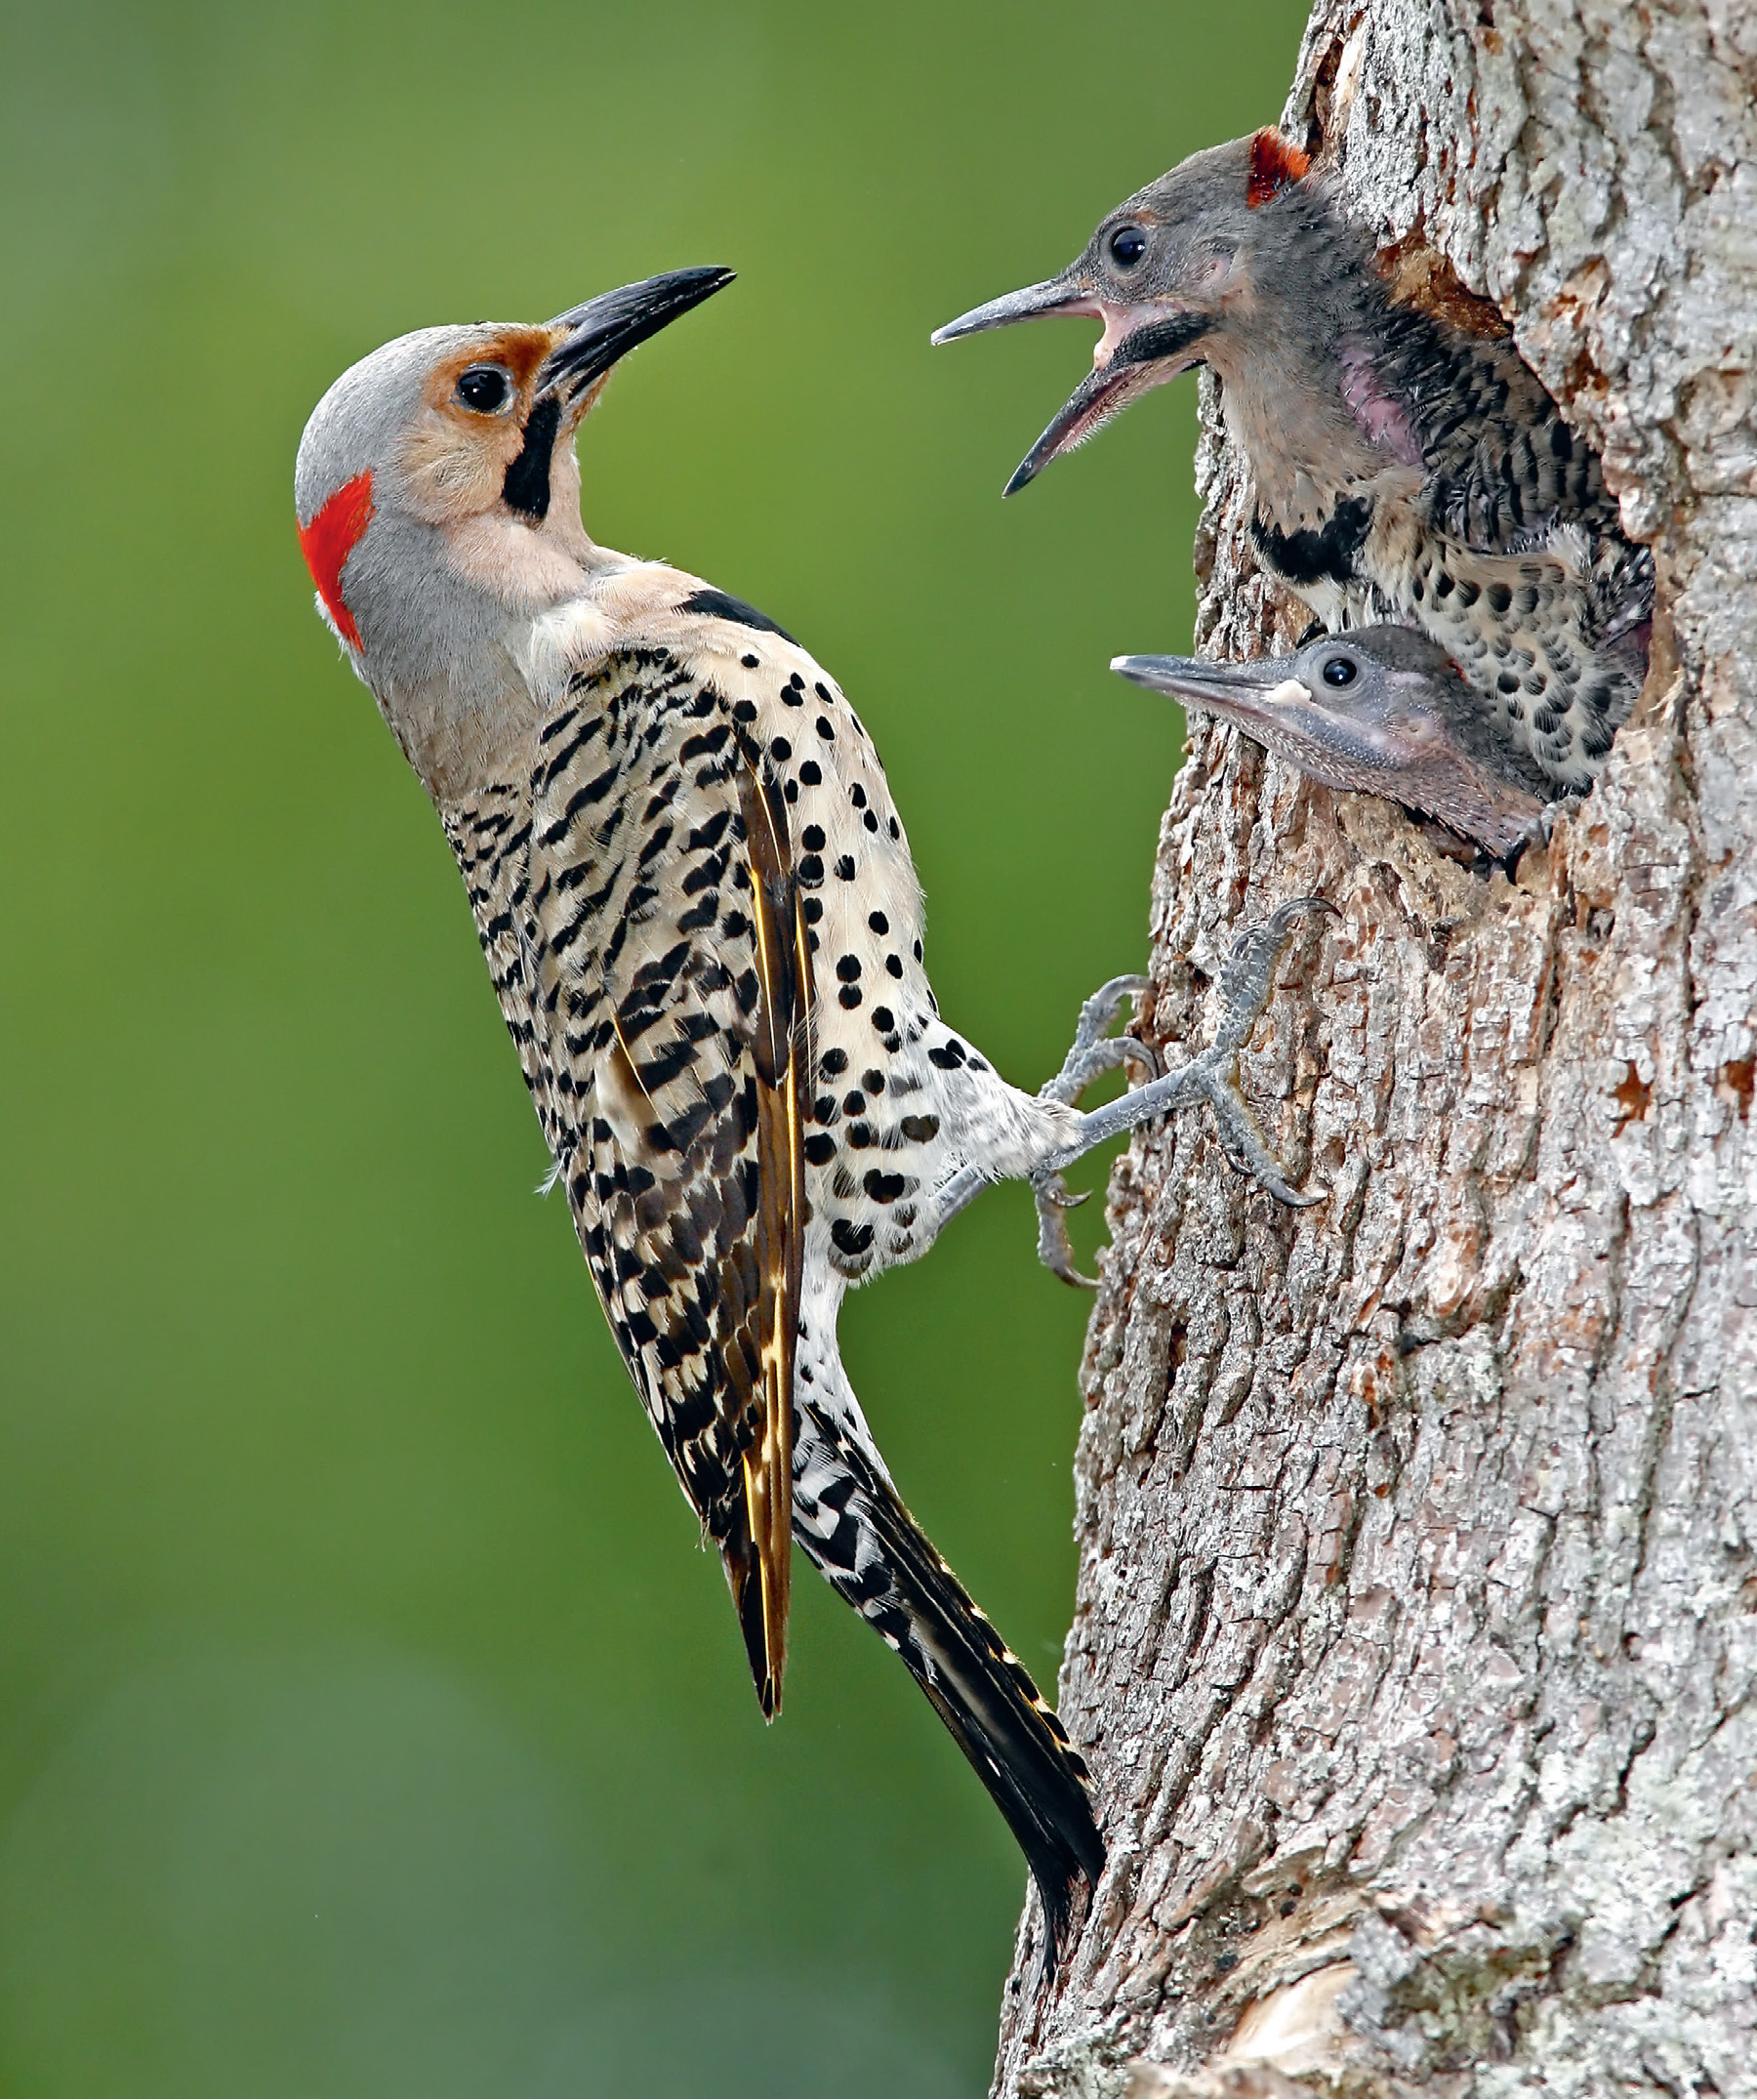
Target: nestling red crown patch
column 1275, row 166
column 329, row 539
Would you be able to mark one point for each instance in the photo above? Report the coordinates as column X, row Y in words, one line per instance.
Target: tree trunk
column 1417, row 1628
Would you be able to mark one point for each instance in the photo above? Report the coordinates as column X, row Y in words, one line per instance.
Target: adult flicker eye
column 1340, row 671
column 485, row 388
column 1128, row 245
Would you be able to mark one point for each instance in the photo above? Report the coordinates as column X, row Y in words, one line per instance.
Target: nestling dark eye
column 485, row 388
column 1128, row 245
column 1340, row 671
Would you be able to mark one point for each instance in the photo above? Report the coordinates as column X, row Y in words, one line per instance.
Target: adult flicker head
column 437, row 493
column 1216, row 262
column 1379, row 711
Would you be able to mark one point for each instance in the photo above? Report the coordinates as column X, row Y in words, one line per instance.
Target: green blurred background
column 369, row 1720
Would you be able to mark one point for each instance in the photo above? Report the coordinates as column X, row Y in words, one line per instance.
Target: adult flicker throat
column 698, row 909
column 1405, row 466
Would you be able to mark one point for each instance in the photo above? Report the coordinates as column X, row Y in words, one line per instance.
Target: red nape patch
column 1275, row 166
column 328, row 541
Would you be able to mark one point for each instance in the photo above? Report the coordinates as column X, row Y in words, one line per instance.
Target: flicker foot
column 1246, row 979
column 1094, row 1050
column 1542, row 827
column 1092, row 1054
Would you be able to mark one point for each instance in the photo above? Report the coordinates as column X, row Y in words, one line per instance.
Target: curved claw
column 1135, row 1051
column 1055, row 1250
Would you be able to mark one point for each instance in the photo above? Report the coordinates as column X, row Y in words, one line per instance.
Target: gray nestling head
column 1227, row 259
column 1380, row 710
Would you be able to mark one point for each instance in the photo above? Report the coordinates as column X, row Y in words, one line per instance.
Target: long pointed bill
column 1147, row 358
column 1066, row 294
column 608, row 328
column 1210, row 685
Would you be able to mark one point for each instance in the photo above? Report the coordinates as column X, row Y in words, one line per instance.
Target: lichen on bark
column 1416, row 1626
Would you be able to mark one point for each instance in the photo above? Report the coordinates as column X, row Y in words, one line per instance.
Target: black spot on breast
column 750, row 662
column 820, row 1148
column 526, row 488
column 811, row 909
column 918, row 951
column 718, row 605
column 870, row 820
column 920, row 1130
column 947, row 1056
column 860, row 1136
column 895, row 830
column 781, row 748
column 878, row 922
column 883, row 1019
column 811, row 774
column 844, row 867
column 884, row 1187
column 849, row 995
column 848, row 969
column 833, row 1063
column 1499, row 597
column 894, row 965
column 853, row 1102
column 1306, row 556
column 813, row 838
column 825, row 731
column 872, row 1081
column 849, row 1239
column 857, row 795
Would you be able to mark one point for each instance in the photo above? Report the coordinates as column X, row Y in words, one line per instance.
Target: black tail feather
column 851, row 1522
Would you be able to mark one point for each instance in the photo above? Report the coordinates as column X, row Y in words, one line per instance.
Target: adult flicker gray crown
column 1380, row 710
column 698, row 909
column 1406, row 467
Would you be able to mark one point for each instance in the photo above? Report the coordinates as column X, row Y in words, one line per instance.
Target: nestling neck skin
column 1286, row 408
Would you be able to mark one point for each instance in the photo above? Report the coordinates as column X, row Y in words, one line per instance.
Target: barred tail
column 850, row 1521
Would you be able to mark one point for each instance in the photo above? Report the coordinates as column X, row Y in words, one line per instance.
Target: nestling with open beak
column 1381, row 711
column 699, row 916
column 1406, row 469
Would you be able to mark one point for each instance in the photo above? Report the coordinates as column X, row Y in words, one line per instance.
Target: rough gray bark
column 1417, row 1611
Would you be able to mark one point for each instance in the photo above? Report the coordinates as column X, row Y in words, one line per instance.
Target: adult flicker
column 1380, row 710
column 1406, row 467
column 698, row 909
